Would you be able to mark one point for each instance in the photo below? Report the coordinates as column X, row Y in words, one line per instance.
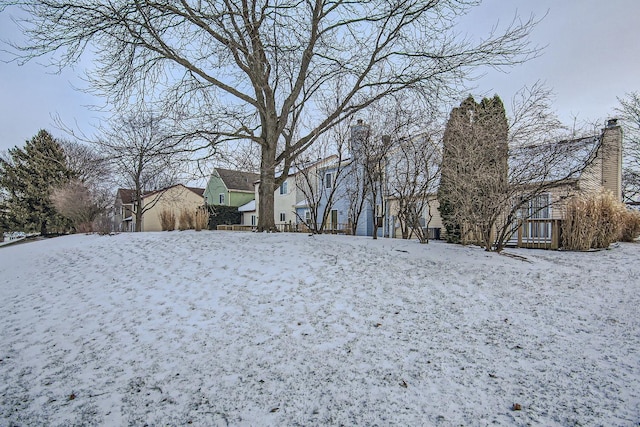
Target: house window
column 535, row 212
column 540, row 207
column 253, row 220
column 332, row 220
column 282, row 216
column 307, row 216
column 328, row 180
column 283, row 188
column 221, row 198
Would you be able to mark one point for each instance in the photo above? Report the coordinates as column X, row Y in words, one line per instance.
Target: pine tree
column 27, row 178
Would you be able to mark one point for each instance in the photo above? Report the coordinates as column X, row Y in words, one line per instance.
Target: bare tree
column 629, row 112
column 256, row 70
column 76, row 201
column 319, row 190
column 88, row 166
column 532, row 119
column 143, row 155
column 413, row 171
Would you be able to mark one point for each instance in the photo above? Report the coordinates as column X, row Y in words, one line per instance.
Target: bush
column 593, row 221
column 167, row 220
column 201, row 218
column 186, row 220
column 223, row 215
column 631, row 226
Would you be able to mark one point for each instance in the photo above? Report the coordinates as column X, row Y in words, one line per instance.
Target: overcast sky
column 592, row 56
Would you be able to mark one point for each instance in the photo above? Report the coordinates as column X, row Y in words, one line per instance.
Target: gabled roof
column 559, row 160
column 198, row 191
column 126, row 195
column 238, row 180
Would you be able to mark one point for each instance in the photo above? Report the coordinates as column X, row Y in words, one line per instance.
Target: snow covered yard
column 218, row 328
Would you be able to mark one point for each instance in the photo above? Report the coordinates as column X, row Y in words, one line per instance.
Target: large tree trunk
column 266, row 220
column 138, row 217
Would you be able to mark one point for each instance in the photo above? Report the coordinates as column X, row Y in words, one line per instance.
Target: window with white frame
column 328, row 180
column 540, row 206
column 283, row 188
column 283, row 216
column 253, row 220
column 307, row 216
column 221, row 198
column 535, row 213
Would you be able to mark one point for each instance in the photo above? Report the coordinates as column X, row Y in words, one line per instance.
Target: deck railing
column 539, row 233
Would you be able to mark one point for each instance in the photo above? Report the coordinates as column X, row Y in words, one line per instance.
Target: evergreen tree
column 27, row 178
column 456, row 138
column 474, row 166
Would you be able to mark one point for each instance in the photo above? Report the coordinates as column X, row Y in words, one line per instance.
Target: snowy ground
column 220, row 328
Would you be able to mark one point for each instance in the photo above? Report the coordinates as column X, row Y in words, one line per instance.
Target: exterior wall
column 174, row 199
column 246, row 218
column 256, row 196
column 239, row 198
column 214, row 188
column 285, row 203
column 341, row 204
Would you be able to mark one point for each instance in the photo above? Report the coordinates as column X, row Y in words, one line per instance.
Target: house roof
column 126, row 195
column 198, row 191
column 238, row 180
column 561, row 160
column 248, row 207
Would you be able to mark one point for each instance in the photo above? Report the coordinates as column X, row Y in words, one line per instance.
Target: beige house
column 540, row 224
column 173, row 199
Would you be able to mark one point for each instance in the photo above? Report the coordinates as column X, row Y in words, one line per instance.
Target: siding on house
column 174, row 199
column 237, row 187
column 285, row 203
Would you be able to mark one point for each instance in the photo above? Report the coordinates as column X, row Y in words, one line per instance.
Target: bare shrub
column 631, row 226
column 201, row 220
column 75, row 201
column 611, row 220
column 167, row 220
column 103, row 224
column 186, row 221
column 592, row 221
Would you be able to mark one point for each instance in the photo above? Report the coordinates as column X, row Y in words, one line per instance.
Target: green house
column 230, row 188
